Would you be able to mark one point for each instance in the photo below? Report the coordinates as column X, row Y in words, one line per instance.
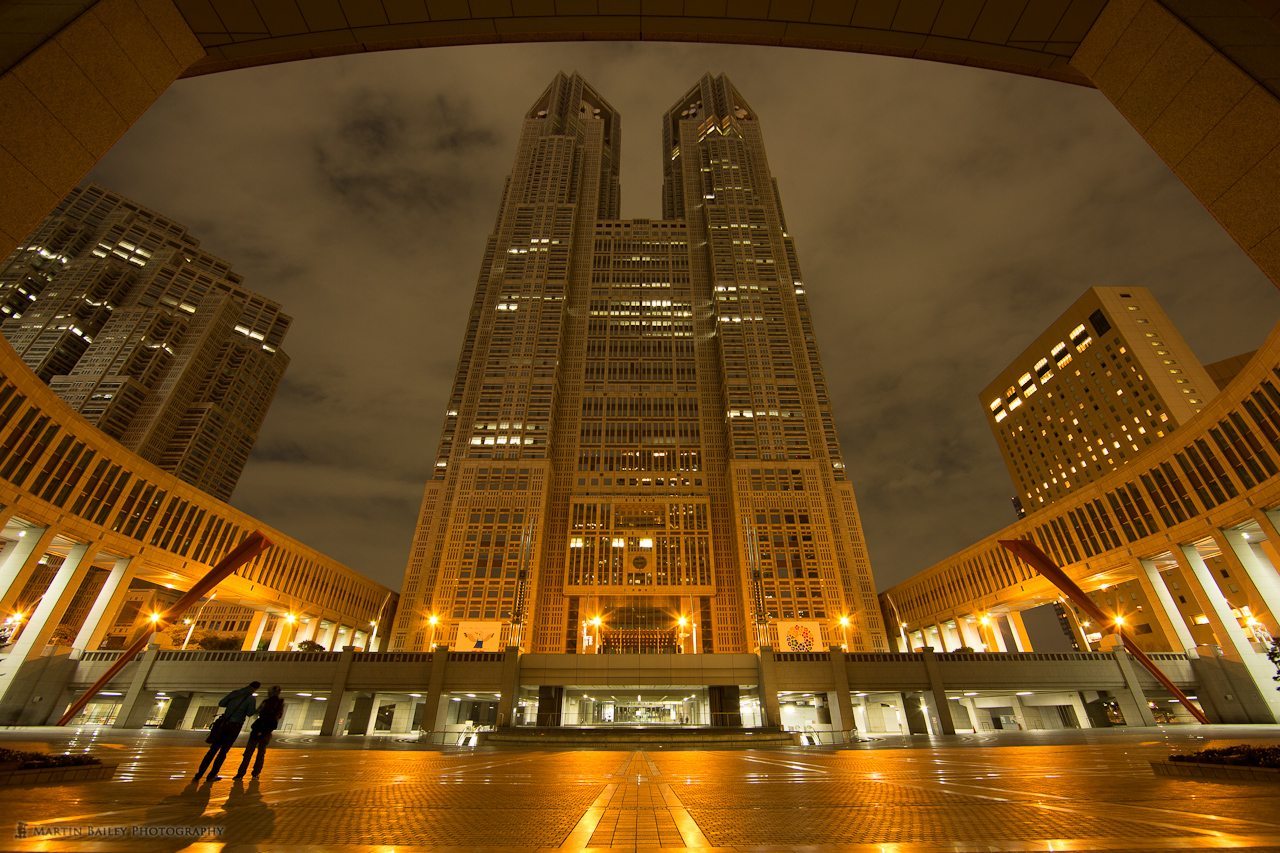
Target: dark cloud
column 943, row 216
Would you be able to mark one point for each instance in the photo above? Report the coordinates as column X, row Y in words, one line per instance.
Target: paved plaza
column 1080, row 790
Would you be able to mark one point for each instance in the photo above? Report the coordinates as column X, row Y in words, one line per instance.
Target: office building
column 1107, row 379
column 154, row 341
column 638, row 455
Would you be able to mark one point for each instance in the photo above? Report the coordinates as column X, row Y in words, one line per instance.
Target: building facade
column 1108, row 378
column 638, row 454
column 154, row 341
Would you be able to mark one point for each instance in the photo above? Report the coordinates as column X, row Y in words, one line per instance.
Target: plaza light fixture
column 289, row 618
column 984, row 619
column 154, row 617
column 1119, row 621
column 596, row 621
column 682, row 621
column 433, row 620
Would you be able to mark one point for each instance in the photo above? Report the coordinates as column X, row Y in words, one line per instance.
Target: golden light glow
column 984, row 619
column 682, row 621
column 155, row 617
column 433, row 619
column 1119, row 620
column 597, row 621
column 1251, row 621
column 289, row 618
column 844, row 621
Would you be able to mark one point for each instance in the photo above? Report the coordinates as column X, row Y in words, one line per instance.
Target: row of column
column 22, row 558
column 988, row 632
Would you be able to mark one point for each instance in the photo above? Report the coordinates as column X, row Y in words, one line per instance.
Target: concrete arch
column 1198, row 81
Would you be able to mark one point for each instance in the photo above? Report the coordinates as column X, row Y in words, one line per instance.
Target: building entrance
column 673, row 706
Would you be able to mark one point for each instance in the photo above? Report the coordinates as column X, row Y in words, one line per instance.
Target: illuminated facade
column 638, row 453
column 1107, row 379
column 151, row 339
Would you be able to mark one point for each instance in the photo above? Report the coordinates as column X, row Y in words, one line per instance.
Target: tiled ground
column 1028, row 791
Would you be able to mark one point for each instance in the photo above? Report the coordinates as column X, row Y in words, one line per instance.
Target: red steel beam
column 1031, row 554
column 253, row 545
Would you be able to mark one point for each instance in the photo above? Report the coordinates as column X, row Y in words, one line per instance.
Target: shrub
column 1240, row 755
column 34, row 760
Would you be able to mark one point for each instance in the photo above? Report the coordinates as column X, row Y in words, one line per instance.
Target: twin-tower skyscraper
column 638, row 454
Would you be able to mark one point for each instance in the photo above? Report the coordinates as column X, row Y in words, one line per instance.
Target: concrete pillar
column 1164, row 610
column 136, row 707
column 433, row 699
column 1235, row 644
column 280, row 636
column 770, row 708
column 843, row 704
column 1192, row 83
column 1243, row 557
column 1019, row 713
column 995, row 636
column 1215, row 605
column 20, row 564
column 976, row 717
column 969, row 633
column 1082, row 716
column 106, row 606
column 308, row 630
column 936, row 696
column 48, row 613
column 1021, row 638
column 1133, row 700
column 337, row 691
column 177, row 710
column 363, row 715
column 254, row 635
column 510, row 686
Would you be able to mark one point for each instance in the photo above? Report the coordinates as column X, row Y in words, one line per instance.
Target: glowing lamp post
column 432, row 621
column 844, row 633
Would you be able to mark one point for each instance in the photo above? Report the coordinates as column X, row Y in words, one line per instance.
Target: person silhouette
column 269, row 715
column 239, row 704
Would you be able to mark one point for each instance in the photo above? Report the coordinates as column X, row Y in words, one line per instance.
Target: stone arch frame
column 1200, row 82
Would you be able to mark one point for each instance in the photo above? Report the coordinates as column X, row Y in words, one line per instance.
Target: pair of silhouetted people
column 239, row 705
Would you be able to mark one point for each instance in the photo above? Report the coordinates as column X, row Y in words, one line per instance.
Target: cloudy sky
column 943, row 217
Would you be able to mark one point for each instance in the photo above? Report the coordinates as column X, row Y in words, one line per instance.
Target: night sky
column 943, row 216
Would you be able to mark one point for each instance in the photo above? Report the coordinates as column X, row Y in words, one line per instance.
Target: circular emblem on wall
column 799, row 639
column 640, row 562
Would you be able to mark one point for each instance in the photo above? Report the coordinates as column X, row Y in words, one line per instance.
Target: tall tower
column 639, row 453
column 148, row 337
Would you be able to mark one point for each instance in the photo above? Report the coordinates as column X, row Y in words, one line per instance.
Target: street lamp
column 596, row 622
column 844, row 633
column 432, row 621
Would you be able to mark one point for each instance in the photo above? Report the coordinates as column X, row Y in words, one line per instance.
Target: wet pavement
column 1080, row 790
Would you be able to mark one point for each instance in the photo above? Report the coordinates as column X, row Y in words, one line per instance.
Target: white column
column 105, row 606
column 992, row 630
column 969, row 634
column 254, row 635
column 308, row 631
column 48, row 613
column 1020, row 637
column 1164, row 608
column 1209, row 596
column 1260, row 572
column 1082, row 716
column 279, row 637
column 20, row 563
column 1235, row 644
